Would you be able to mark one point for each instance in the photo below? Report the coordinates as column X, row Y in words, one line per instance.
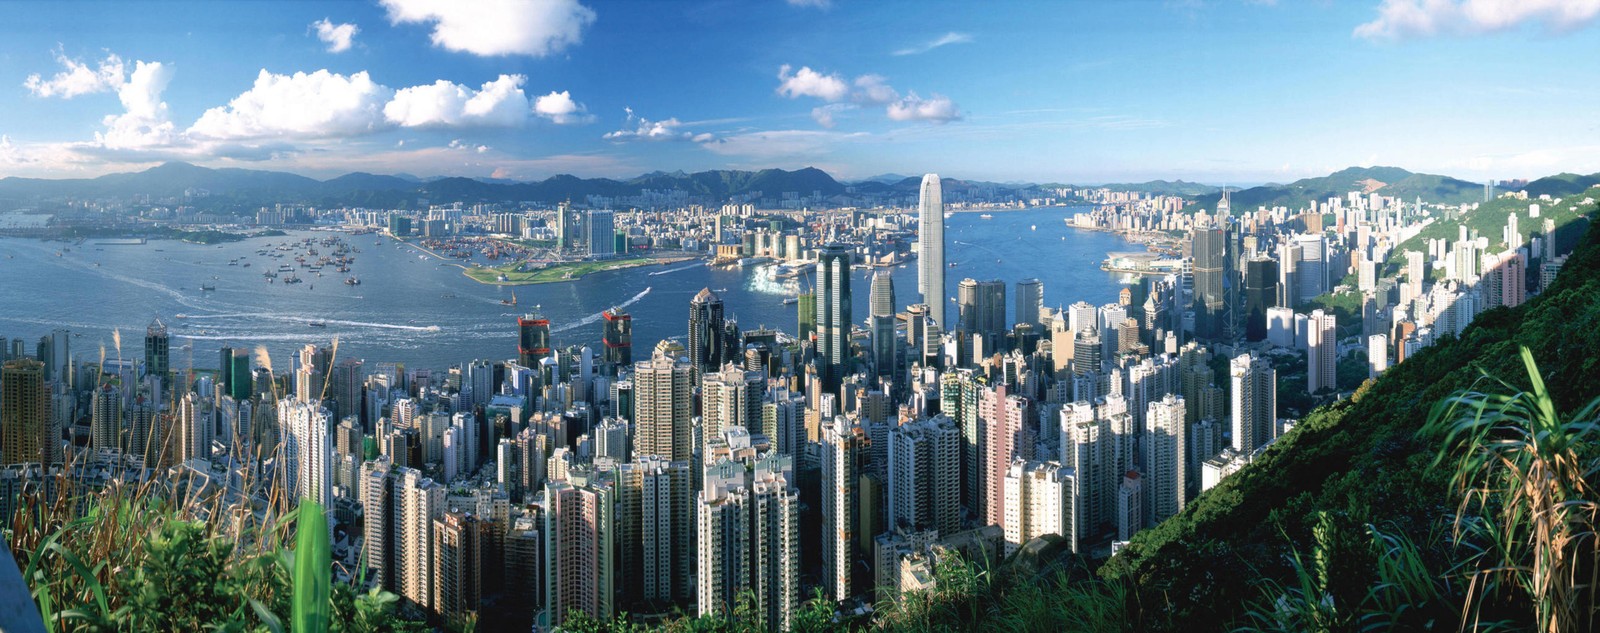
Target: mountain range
column 1388, row 181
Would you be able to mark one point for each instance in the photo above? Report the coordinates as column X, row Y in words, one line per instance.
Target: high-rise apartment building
column 841, row 446
column 1322, row 351
column 580, row 573
column 655, row 535
column 1254, row 393
column 924, row 472
column 663, row 408
column 1165, row 449
column 1041, row 499
column 29, row 431
column 749, row 539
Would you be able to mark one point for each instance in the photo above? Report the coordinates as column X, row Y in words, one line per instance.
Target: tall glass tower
column 930, row 261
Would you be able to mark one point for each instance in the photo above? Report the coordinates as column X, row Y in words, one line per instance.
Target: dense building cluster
column 745, row 465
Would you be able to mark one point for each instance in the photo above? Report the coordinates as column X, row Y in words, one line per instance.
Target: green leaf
column 312, row 571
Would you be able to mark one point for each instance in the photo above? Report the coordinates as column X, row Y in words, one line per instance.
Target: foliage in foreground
column 127, row 558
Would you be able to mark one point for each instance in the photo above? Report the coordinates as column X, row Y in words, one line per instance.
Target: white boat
column 1033, row 227
column 985, row 216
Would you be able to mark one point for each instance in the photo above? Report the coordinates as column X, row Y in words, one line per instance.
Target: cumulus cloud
column 467, row 147
column 561, row 109
column 818, row 4
column 315, row 105
column 943, row 40
column 78, row 78
column 338, row 37
column 935, row 109
column 499, row 103
column 1399, row 19
column 647, row 130
column 497, row 27
column 144, row 121
column 810, row 83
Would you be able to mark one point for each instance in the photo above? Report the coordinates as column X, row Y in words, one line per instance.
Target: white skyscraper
column 1322, row 355
column 1041, row 498
column 418, row 500
column 1165, row 447
column 930, row 261
column 749, row 538
column 925, row 475
column 1255, row 402
column 308, row 445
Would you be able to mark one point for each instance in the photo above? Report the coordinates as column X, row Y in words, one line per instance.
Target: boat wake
column 680, row 268
column 593, row 318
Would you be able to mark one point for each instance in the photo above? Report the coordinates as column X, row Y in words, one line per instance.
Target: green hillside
column 1361, row 461
column 1388, row 181
column 1490, row 217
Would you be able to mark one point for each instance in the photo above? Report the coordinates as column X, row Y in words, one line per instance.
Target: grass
column 554, row 273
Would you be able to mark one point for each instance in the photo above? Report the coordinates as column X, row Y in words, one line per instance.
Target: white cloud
column 499, row 103
column 144, row 122
column 561, row 109
column 935, row 109
column 874, row 89
column 338, row 37
column 819, row 4
column 781, row 144
column 1399, row 19
column 824, row 114
column 465, row 146
column 315, row 105
column 648, row 130
column 943, row 40
column 78, row 78
column 497, row 27
column 810, row 83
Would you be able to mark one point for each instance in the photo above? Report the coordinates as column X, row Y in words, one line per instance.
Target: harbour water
column 421, row 311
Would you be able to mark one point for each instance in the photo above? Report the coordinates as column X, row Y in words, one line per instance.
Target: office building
column 617, row 339
column 833, row 315
column 930, row 258
column 600, row 226
column 533, row 340
column 982, row 310
column 1260, row 295
column 882, row 326
column 706, row 341
column 1208, row 245
column 156, row 352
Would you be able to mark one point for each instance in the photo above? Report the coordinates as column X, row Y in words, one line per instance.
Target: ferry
column 985, row 216
column 317, row 324
column 789, row 301
column 352, row 281
column 207, row 287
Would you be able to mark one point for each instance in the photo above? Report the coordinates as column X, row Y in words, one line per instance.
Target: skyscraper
column 1165, row 448
column 1041, row 499
column 807, row 310
column 833, row 315
column 617, row 338
column 1322, row 351
column 1255, row 402
column 841, row 444
column 241, row 382
column 655, row 534
column 156, row 362
column 730, row 397
column 663, row 408
column 601, row 233
column 1208, row 245
column 461, row 542
column 706, row 331
column 925, row 475
column 28, row 429
column 749, row 534
column 1008, row 434
column 579, row 535
column 308, row 444
column 1260, row 294
column 105, row 421
column 1311, row 271
column 884, row 346
column 417, row 501
column 533, row 340
column 982, row 310
column 930, row 261
column 1030, row 300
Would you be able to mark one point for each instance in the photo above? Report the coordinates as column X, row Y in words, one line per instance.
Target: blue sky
column 1066, row 91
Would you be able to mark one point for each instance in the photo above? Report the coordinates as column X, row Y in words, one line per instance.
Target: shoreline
column 587, row 268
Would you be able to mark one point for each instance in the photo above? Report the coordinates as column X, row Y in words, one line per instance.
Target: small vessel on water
column 207, row 287
column 509, row 302
column 985, row 216
column 317, row 324
column 789, row 301
column 352, row 281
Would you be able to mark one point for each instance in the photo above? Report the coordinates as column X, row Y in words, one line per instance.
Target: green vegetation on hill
column 1388, row 181
column 1489, row 218
column 1362, row 463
